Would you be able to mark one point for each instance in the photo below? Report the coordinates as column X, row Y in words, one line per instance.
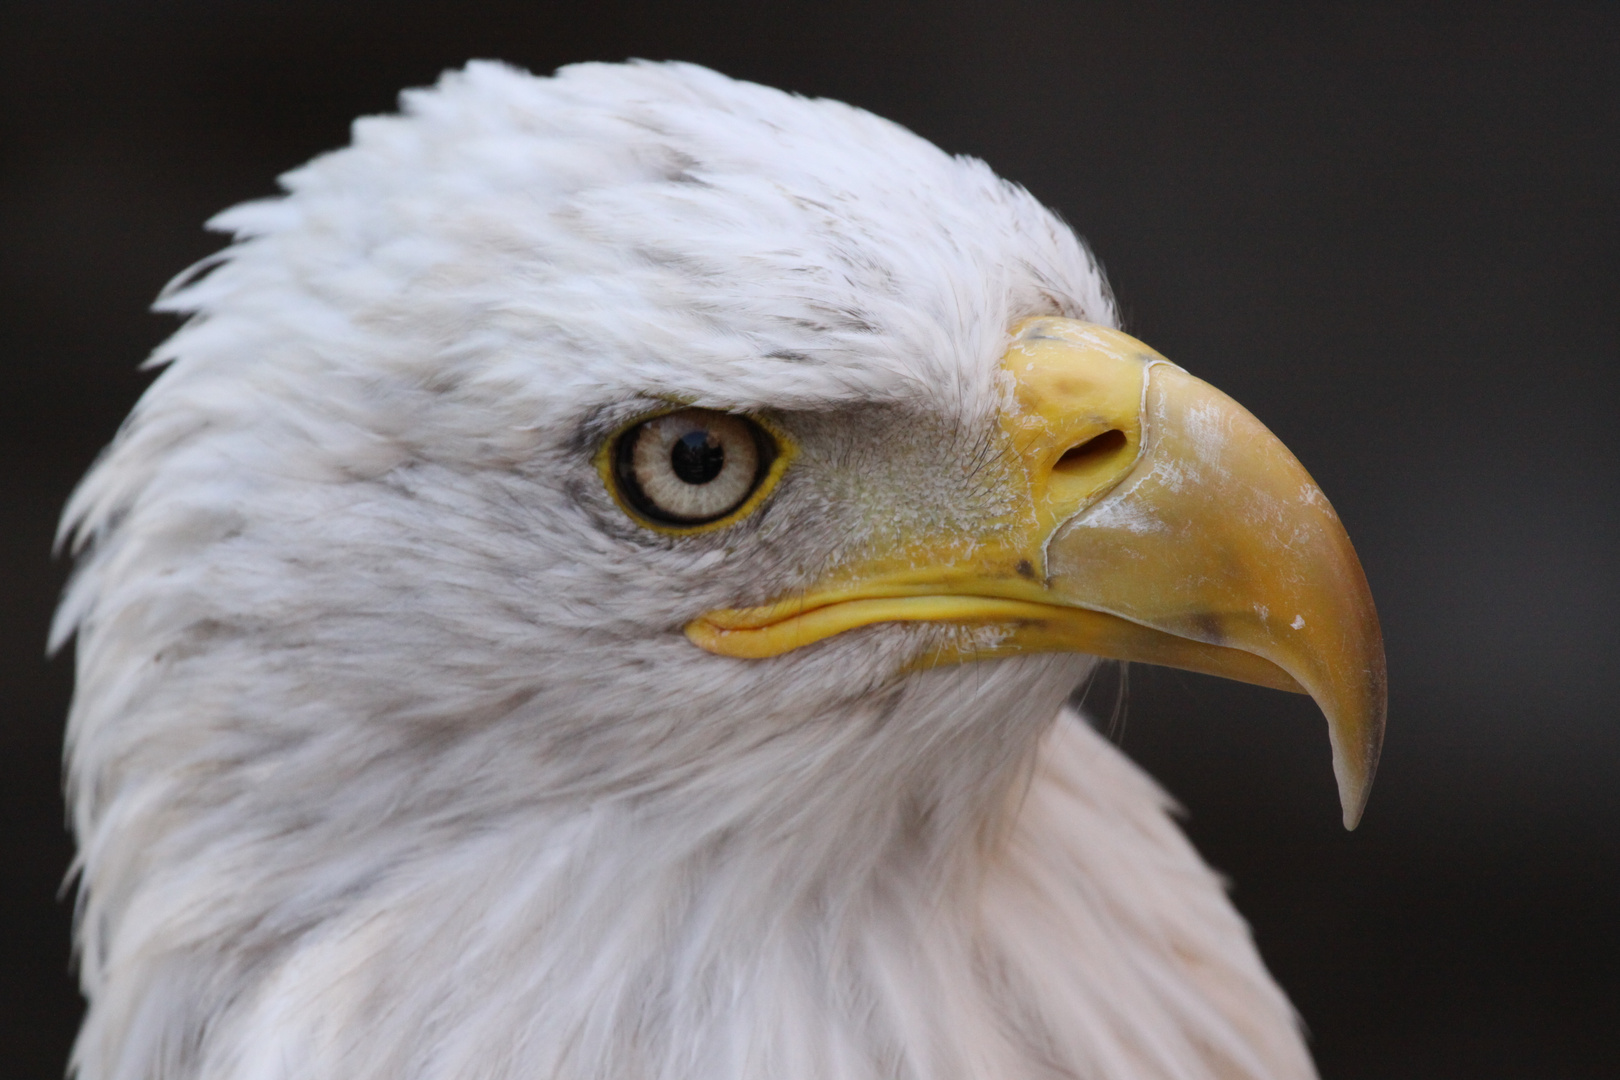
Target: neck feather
column 942, row 885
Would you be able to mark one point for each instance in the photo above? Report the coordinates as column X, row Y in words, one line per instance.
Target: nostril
column 1079, row 457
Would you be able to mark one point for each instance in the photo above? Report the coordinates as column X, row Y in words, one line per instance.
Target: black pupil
column 697, row 457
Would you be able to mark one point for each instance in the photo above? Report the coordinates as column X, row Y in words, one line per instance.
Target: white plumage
column 388, row 757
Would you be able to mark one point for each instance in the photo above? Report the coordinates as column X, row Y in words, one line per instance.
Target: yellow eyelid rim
column 786, row 451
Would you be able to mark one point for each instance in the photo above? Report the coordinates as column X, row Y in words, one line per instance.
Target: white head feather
column 388, row 758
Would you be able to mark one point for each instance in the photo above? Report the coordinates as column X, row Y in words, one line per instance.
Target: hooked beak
column 1162, row 523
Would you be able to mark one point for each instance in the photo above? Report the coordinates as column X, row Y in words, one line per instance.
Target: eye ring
column 692, row 469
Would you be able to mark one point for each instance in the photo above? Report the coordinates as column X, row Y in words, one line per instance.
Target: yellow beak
column 1159, row 522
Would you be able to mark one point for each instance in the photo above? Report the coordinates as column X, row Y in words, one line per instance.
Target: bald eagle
column 593, row 594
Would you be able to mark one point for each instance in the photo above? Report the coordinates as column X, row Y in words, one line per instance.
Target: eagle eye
column 692, row 466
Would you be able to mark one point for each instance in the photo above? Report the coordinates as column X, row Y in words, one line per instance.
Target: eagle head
column 593, row 592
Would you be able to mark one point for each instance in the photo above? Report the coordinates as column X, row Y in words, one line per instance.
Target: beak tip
column 1355, row 780
column 1355, row 785
column 1354, row 805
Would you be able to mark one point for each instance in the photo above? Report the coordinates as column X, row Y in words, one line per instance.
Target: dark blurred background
column 1390, row 231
